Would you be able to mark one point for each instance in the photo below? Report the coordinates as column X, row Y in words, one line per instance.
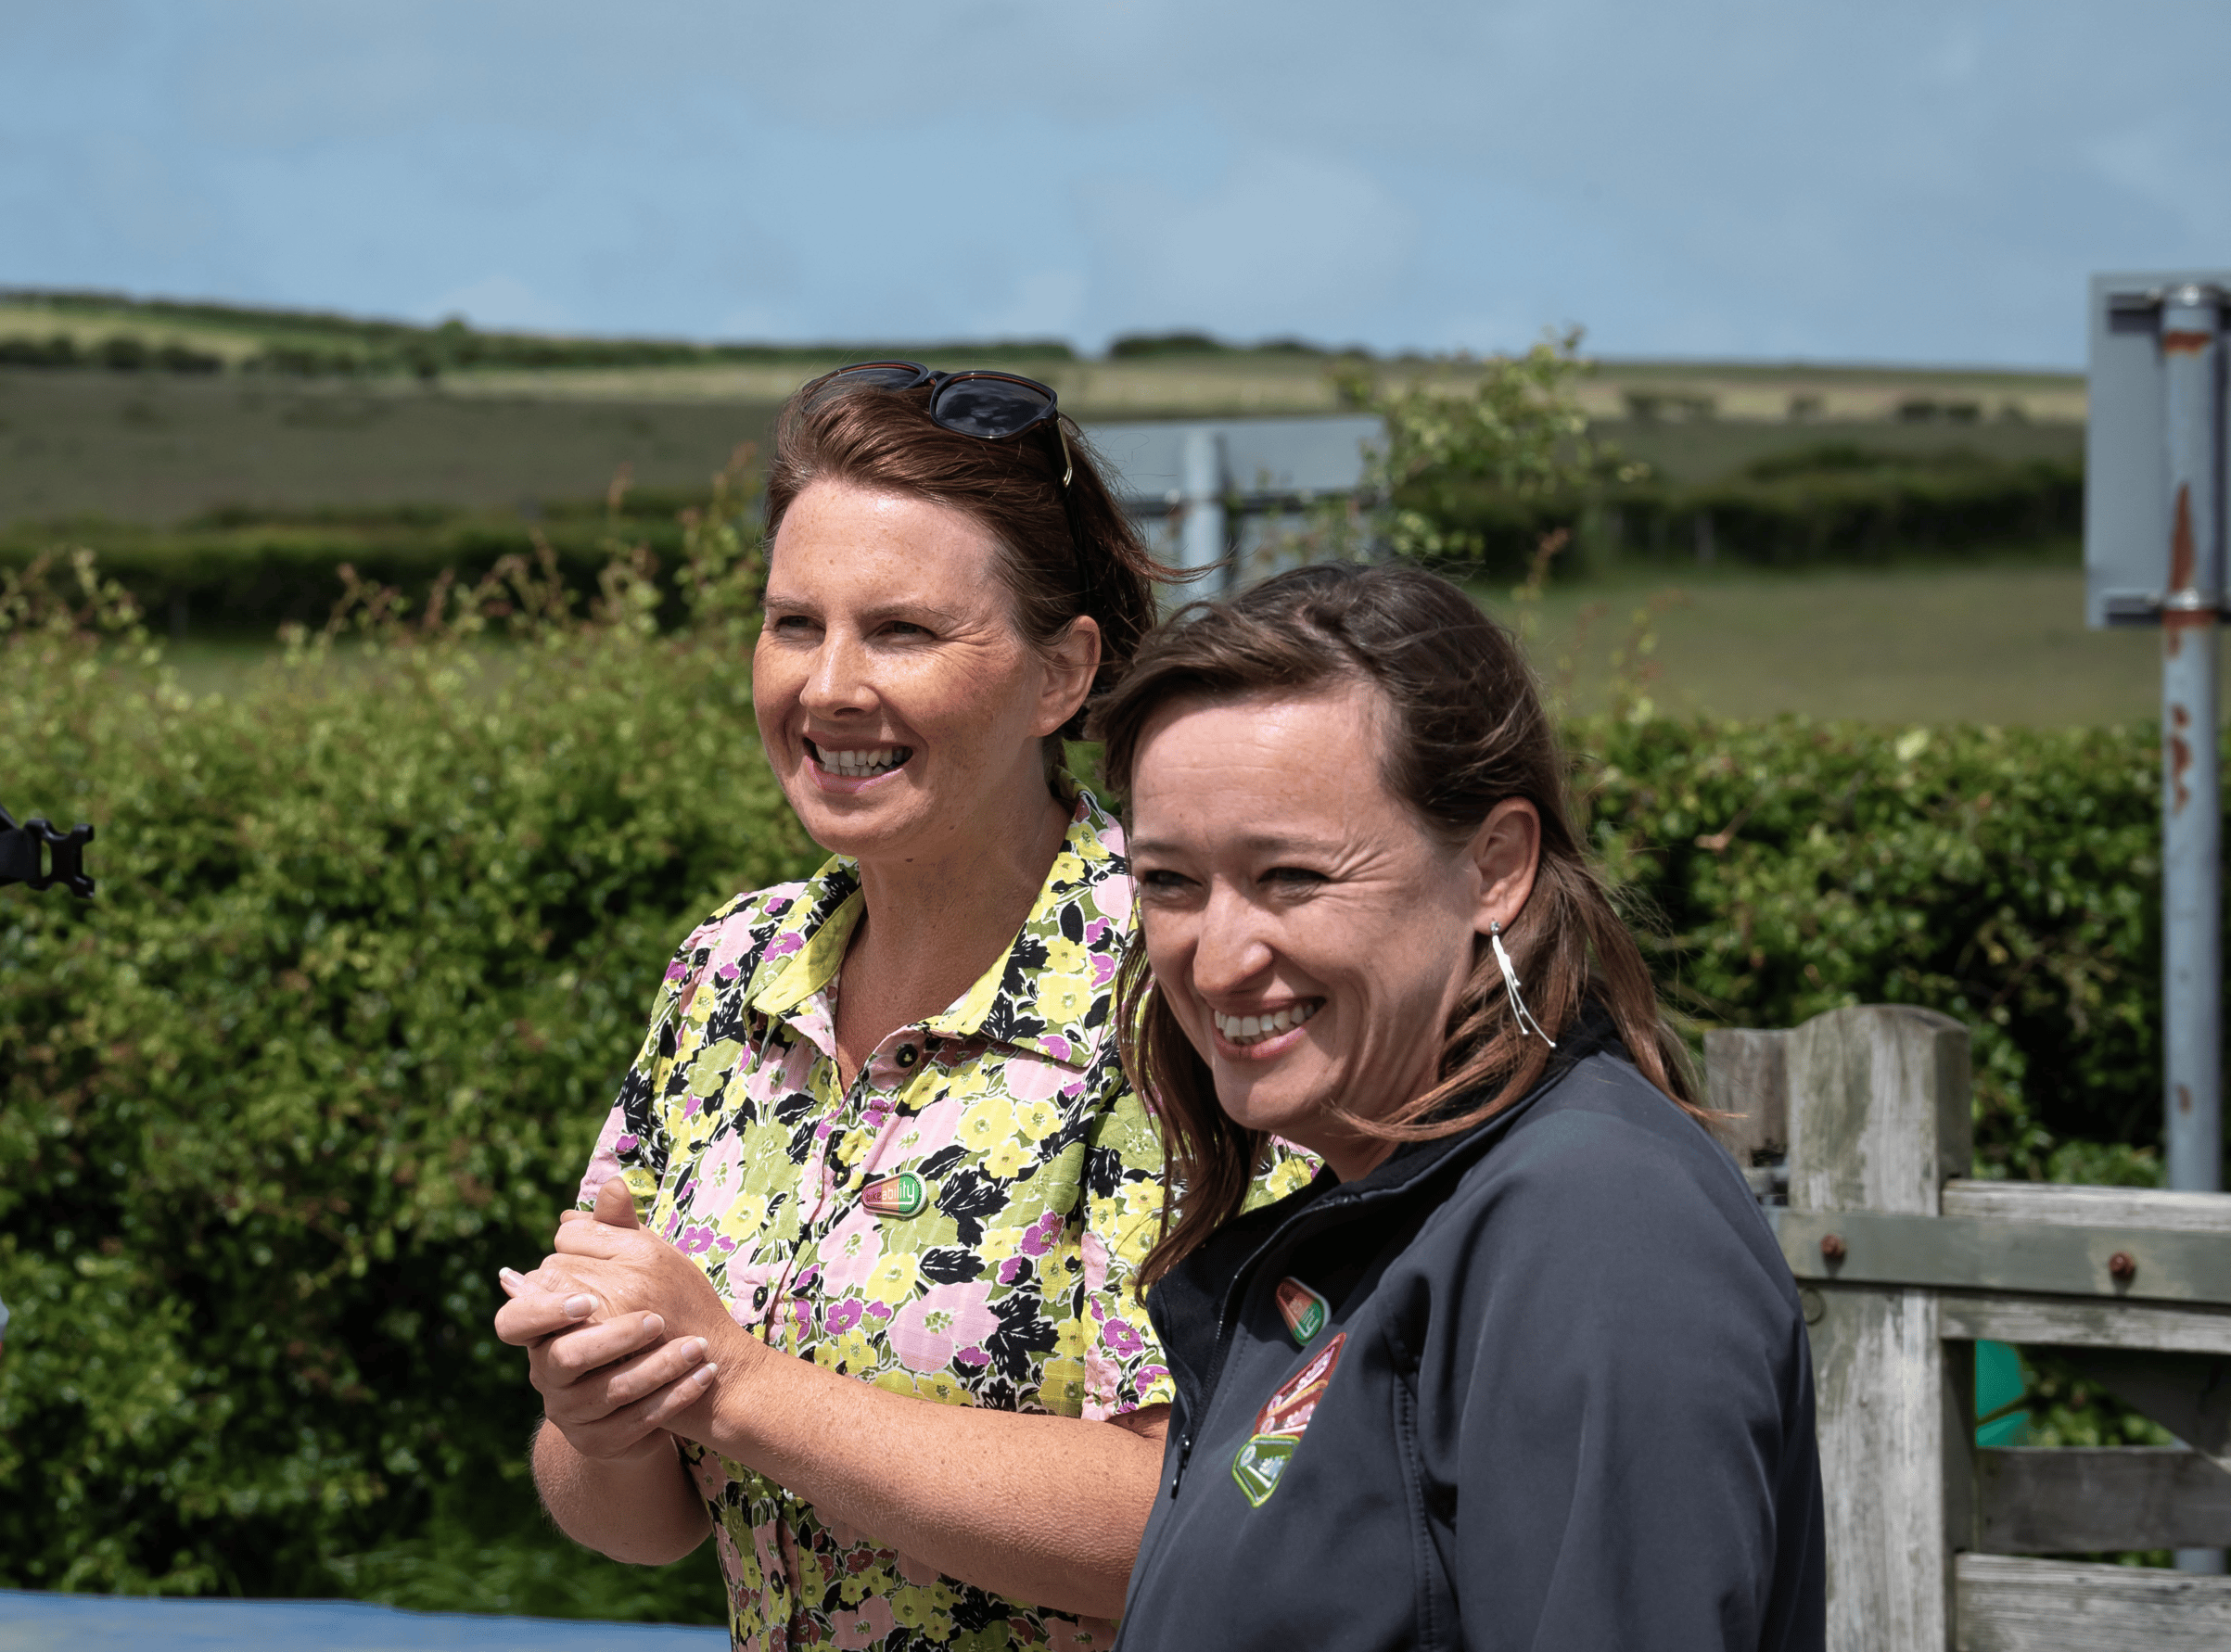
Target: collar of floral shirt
column 1089, row 878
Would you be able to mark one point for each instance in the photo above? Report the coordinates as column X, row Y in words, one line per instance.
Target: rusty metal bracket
column 1979, row 1253
column 2124, row 608
column 34, row 853
column 2145, row 300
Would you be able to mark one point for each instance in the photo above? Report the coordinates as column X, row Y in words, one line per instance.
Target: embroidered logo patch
column 1279, row 1425
column 900, row 1195
column 1303, row 1310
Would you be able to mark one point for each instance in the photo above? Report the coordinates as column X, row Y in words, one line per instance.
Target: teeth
column 859, row 764
column 1250, row 1029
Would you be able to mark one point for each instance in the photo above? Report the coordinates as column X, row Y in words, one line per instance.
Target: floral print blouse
column 962, row 1224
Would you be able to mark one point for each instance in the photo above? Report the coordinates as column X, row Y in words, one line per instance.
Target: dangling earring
column 1526, row 1024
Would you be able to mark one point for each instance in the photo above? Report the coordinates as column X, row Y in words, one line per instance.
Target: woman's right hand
column 610, row 1386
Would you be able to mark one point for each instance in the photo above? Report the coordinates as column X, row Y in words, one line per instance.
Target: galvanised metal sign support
column 2192, row 839
column 2154, row 555
column 1203, row 543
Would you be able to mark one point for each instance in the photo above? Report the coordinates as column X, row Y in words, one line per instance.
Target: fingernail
column 509, row 1276
column 654, row 1326
column 706, row 1374
column 579, row 1307
column 700, row 1349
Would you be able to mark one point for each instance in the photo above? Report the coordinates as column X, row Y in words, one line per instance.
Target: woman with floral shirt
column 879, row 1123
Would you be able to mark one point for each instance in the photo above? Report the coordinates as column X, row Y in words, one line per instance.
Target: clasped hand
column 625, row 1337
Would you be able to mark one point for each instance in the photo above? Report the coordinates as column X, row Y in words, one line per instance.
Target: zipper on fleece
column 1226, row 1311
column 1344, row 1204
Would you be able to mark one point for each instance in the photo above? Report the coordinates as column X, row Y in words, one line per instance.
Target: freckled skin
column 1275, row 870
column 886, row 624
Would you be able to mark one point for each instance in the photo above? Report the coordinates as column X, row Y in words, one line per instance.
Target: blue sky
column 1858, row 180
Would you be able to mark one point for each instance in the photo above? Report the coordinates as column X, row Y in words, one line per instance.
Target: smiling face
column 901, row 707
column 1308, row 933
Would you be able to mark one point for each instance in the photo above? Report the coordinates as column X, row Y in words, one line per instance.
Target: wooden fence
column 1860, row 1120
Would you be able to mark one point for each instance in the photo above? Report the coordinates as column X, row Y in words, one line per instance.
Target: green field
column 155, row 447
column 1997, row 643
column 1185, row 372
column 376, row 413
column 1916, row 641
column 2002, row 644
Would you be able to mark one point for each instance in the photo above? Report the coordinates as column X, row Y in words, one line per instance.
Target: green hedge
column 122, row 353
column 376, row 936
column 250, row 570
column 2007, row 877
column 313, row 343
column 238, row 570
column 1838, row 502
column 372, row 944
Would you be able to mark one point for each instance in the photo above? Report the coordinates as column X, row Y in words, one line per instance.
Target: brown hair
column 1065, row 551
column 1467, row 732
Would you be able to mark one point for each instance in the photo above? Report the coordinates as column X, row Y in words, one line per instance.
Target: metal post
column 1203, row 543
column 2191, row 807
column 2192, row 987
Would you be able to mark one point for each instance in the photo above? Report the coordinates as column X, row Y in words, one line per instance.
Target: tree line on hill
column 319, row 344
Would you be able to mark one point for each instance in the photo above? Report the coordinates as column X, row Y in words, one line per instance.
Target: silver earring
column 1526, row 1024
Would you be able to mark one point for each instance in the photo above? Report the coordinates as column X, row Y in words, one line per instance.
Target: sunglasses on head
column 979, row 402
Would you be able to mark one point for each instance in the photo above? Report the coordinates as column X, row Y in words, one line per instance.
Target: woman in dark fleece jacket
column 1522, row 1367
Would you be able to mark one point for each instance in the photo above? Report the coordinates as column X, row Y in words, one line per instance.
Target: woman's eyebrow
column 881, row 611
column 1259, row 843
column 911, row 610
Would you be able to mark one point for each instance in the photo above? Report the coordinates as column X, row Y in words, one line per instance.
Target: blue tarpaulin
column 41, row 1623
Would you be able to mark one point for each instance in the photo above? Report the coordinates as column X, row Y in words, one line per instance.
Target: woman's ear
column 1504, row 853
column 1071, row 664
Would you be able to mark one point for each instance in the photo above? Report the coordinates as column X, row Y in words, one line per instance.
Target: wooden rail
column 2008, row 1605
column 1903, row 1264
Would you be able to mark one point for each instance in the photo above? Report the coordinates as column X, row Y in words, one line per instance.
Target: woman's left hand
column 628, row 1270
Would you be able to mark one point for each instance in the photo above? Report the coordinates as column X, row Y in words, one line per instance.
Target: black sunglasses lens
column 991, row 408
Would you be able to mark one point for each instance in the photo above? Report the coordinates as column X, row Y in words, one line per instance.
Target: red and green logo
column 1279, row 1424
column 900, row 1195
column 1259, row 1464
column 1303, row 1310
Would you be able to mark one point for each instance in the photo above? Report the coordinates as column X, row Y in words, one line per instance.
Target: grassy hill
column 225, row 458
column 1141, row 373
column 156, row 411
column 155, row 447
column 78, row 326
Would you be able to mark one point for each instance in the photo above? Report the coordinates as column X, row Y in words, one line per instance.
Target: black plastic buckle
column 62, row 863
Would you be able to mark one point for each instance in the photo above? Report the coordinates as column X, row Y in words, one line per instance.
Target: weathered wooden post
column 1747, row 1074
column 1878, row 1119
column 1903, row 1263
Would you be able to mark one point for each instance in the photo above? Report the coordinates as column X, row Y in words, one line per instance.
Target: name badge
column 900, row 1195
column 1303, row 1310
column 1280, row 1425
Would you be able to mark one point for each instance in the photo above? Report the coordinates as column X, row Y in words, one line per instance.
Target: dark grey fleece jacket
column 1561, row 1401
